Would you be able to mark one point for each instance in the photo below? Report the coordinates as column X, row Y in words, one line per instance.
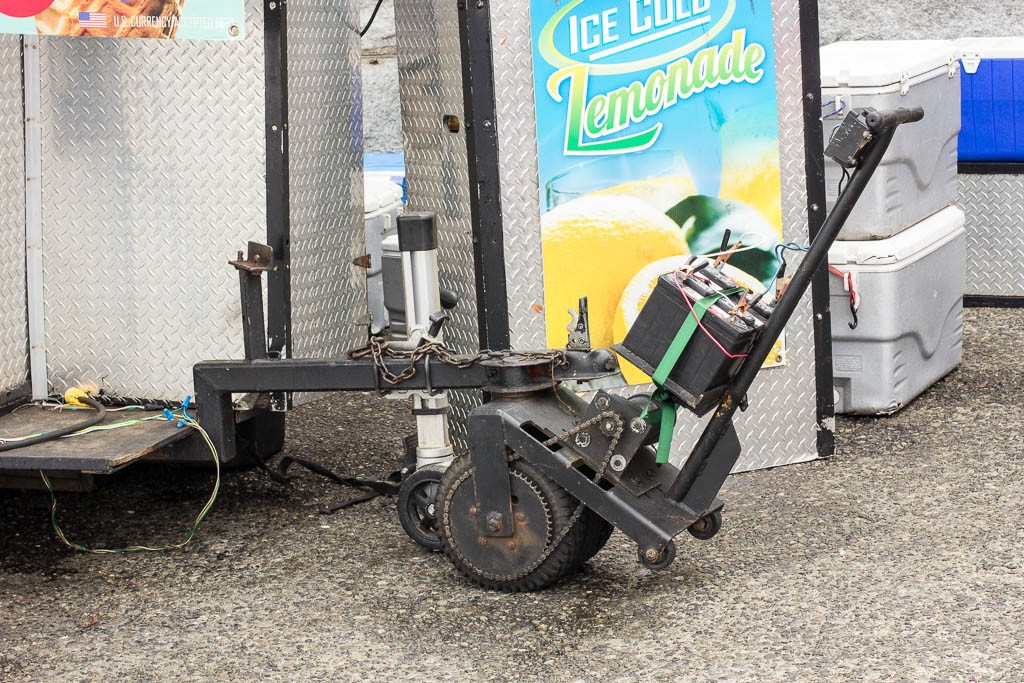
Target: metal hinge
column 971, row 63
column 904, row 83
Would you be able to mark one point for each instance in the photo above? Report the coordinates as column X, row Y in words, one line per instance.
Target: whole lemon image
column 639, row 290
column 593, row 246
column 758, row 184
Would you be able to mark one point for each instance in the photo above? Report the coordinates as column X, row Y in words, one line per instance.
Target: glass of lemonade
column 660, row 178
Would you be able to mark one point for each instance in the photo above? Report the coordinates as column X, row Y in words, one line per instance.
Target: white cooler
column 918, row 175
column 910, row 320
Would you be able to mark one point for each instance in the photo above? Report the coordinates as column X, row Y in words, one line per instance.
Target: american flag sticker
column 92, row 19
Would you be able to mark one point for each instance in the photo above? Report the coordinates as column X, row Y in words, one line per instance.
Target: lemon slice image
column 639, row 290
column 593, row 246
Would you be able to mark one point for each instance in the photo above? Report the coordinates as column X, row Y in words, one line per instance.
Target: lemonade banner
column 657, row 130
column 166, row 19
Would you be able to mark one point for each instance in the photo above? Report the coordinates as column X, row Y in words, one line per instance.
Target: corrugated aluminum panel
column 153, row 176
column 780, row 426
column 326, row 168
column 13, row 323
column 994, row 205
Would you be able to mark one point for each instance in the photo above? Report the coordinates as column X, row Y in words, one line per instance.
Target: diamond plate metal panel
column 780, row 426
column 326, row 173
column 994, row 205
column 13, row 323
column 430, row 69
column 153, row 175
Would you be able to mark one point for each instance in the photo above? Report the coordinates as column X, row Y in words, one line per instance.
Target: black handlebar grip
column 880, row 120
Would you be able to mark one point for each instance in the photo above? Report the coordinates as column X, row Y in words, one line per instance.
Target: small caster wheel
column 662, row 561
column 417, row 507
column 707, row 526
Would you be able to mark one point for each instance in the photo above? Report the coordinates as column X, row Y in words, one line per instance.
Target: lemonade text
column 593, row 117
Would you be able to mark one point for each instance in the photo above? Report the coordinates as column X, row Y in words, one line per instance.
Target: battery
column 703, row 371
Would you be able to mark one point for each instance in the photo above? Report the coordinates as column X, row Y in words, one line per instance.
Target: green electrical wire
column 185, row 419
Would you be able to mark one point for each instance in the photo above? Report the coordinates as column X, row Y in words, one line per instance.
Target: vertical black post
column 484, row 174
column 814, row 164
column 279, row 294
column 254, row 333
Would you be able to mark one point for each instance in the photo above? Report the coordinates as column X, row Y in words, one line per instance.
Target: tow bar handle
column 698, row 482
column 880, row 120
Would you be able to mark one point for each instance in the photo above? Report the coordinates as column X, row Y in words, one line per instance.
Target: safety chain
column 555, row 542
column 381, row 350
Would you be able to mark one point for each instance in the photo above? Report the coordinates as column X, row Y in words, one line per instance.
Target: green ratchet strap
column 667, row 416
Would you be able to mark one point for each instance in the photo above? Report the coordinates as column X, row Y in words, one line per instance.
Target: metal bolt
column 608, row 427
column 273, row 5
column 617, row 462
column 452, row 123
column 582, row 439
column 815, row 207
column 472, row 512
column 651, row 554
column 482, row 540
column 233, row 31
column 638, row 425
column 480, row 4
column 432, row 510
column 603, row 402
column 493, row 522
column 809, row 96
column 487, row 124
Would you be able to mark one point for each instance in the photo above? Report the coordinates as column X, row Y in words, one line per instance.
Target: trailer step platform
column 100, row 452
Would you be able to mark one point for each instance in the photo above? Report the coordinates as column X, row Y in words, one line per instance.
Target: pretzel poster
column 166, row 19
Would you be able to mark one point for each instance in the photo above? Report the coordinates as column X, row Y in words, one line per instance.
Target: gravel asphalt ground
column 901, row 559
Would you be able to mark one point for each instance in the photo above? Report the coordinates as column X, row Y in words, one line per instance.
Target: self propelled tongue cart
column 549, row 474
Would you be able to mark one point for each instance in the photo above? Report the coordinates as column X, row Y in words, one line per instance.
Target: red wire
column 689, row 303
column 847, row 280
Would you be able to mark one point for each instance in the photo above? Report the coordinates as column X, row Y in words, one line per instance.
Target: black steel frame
column 990, row 168
column 279, row 296
column 993, row 301
column 484, row 173
column 814, row 165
